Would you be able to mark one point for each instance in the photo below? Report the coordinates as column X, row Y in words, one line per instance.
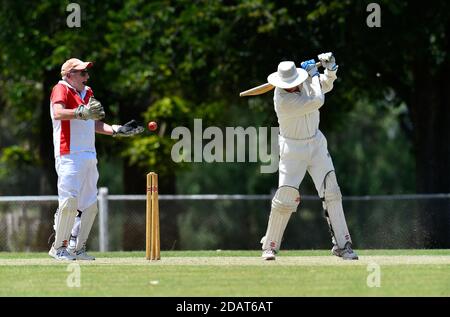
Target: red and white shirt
column 71, row 136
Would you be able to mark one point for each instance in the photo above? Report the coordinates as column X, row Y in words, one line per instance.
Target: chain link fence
column 209, row 222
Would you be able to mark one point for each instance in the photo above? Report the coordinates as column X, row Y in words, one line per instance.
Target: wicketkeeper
column 299, row 94
column 76, row 116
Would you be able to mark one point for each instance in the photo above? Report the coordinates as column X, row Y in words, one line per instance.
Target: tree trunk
column 48, row 179
column 430, row 111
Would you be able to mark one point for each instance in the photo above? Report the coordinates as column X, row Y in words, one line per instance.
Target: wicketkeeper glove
column 128, row 129
column 93, row 110
column 310, row 67
column 328, row 61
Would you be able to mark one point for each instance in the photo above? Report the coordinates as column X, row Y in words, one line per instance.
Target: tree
column 408, row 56
column 176, row 61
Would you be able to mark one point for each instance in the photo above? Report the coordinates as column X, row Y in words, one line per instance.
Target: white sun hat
column 287, row 76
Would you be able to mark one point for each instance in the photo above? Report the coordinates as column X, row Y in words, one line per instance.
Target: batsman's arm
column 302, row 103
column 327, row 79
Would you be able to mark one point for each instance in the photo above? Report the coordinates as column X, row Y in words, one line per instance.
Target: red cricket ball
column 152, row 126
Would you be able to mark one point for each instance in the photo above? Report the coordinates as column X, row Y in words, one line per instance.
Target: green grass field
column 229, row 273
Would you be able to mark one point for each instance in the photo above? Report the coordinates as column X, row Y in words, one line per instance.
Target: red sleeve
column 59, row 95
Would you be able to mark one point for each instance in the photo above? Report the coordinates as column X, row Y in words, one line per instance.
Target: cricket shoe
column 81, row 254
column 268, row 254
column 346, row 253
column 61, row 254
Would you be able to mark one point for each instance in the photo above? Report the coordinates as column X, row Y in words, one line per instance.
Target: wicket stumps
column 152, row 243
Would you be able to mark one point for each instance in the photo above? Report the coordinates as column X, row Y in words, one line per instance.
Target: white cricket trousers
column 299, row 156
column 77, row 178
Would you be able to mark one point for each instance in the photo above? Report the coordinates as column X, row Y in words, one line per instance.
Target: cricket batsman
column 76, row 116
column 299, row 94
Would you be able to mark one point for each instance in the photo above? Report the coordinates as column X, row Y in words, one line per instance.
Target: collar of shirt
column 82, row 94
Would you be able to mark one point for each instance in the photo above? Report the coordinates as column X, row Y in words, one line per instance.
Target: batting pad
column 333, row 203
column 87, row 220
column 64, row 220
column 55, row 219
column 284, row 203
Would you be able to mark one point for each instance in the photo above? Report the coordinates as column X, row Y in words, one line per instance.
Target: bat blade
column 259, row 90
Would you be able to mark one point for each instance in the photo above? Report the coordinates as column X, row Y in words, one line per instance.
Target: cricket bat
column 259, row 90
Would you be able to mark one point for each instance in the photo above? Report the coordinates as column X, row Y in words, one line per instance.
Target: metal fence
column 190, row 222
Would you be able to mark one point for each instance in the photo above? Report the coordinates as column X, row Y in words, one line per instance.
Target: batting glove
column 328, row 61
column 310, row 67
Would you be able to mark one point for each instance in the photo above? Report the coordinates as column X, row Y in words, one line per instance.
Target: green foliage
column 15, row 156
column 172, row 62
column 16, row 170
column 371, row 153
